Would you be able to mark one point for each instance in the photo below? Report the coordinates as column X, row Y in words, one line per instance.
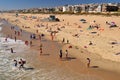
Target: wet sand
column 74, row 68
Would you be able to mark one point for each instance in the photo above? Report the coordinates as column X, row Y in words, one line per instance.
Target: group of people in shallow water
column 21, row 63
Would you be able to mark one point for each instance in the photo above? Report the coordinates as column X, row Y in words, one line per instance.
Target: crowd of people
column 21, row 62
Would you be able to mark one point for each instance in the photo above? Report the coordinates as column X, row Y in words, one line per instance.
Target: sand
column 102, row 53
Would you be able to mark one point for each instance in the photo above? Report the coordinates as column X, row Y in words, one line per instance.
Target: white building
column 99, row 8
column 65, row 8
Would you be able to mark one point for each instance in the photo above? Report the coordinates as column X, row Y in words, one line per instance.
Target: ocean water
column 46, row 72
column 7, row 70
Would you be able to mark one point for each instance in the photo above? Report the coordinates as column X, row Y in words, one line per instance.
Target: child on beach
column 66, row 53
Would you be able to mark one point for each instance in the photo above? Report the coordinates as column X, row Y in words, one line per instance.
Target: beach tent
column 51, row 18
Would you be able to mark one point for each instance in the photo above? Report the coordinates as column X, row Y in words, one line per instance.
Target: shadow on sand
column 45, row 54
column 68, row 58
column 29, row 68
column 94, row 66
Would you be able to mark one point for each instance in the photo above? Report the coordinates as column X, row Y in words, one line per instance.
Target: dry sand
column 102, row 53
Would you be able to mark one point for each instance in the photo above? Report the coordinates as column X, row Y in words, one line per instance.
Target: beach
column 104, row 61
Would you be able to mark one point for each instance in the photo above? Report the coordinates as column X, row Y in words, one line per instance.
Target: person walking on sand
column 88, row 64
column 66, row 53
column 60, row 55
column 63, row 40
column 41, row 49
column 67, row 41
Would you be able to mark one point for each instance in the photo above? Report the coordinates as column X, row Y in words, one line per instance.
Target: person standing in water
column 15, row 38
column 15, row 63
column 11, row 50
column 21, row 62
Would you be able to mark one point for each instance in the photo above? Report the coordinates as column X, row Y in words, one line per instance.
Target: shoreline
column 78, row 67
